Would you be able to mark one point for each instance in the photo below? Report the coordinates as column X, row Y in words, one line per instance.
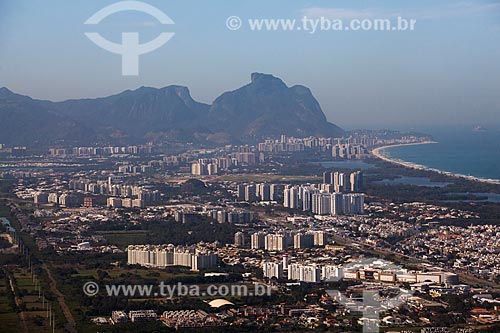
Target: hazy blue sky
column 447, row 70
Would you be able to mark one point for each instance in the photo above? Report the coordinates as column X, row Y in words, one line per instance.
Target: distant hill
column 138, row 112
column 28, row 122
column 264, row 107
column 267, row 107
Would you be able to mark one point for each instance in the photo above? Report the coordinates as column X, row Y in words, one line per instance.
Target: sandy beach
column 377, row 153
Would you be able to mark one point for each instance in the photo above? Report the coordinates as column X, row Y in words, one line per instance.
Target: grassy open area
column 270, row 178
column 8, row 316
column 4, row 211
column 123, row 238
column 34, row 313
column 5, row 185
column 30, row 315
column 117, row 272
column 10, row 321
column 71, row 278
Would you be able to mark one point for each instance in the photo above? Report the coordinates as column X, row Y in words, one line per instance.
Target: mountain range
column 265, row 107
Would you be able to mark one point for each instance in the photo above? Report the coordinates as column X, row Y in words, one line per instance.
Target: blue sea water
column 459, row 150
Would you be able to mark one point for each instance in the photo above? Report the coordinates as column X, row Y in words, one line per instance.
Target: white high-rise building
column 258, row 240
column 340, row 181
column 276, row 242
column 203, row 260
column 196, row 168
column 356, row 180
column 294, row 272
column 304, row 273
column 291, row 198
column 53, row 198
column 272, row 270
column 274, row 188
column 311, row 273
column 264, row 192
column 212, row 169
column 250, row 193
column 337, row 204
column 162, row 256
column 320, row 238
column 285, row 261
column 302, row 241
column 41, row 198
column 305, row 196
column 321, row 203
column 183, row 258
column 114, row 202
column 331, row 273
column 321, row 200
column 239, row 239
column 354, row 204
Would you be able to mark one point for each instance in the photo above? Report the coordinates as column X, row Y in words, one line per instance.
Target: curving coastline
column 377, row 153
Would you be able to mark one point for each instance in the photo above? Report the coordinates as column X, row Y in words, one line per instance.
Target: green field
column 116, row 272
column 271, row 178
column 123, row 238
column 31, row 314
column 8, row 315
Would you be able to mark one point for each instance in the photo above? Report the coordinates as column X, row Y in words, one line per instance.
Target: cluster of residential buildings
column 66, row 231
column 349, row 151
column 343, row 182
column 419, row 212
column 100, row 151
column 65, row 199
column 320, row 202
column 305, row 251
column 376, row 271
column 301, row 272
column 345, row 148
column 114, row 186
column 12, row 151
column 243, row 156
column 473, row 249
column 205, row 166
column 330, row 197
column 258, row 192
column 282, row 240
column 219, row 214
column 168, row 255
column 121, row 195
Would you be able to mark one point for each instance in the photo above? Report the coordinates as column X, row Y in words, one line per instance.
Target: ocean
column 459, row 150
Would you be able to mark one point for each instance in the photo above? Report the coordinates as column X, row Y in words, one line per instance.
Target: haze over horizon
column 446, row 71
